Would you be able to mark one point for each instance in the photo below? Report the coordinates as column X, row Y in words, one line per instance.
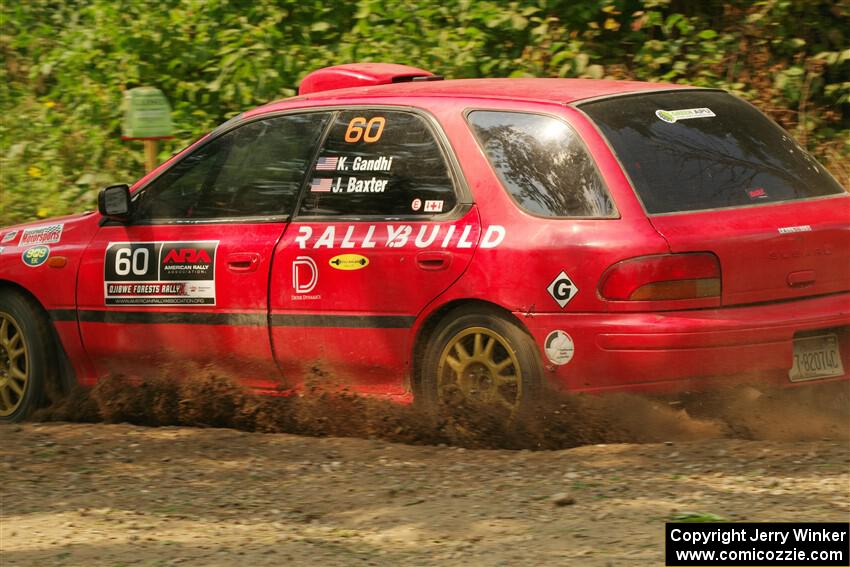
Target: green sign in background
column 147, row 114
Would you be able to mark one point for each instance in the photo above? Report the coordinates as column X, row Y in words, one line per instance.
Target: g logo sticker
column 562, row 289
column 35, row 256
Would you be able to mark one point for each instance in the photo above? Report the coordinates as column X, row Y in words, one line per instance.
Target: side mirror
column 113, row 202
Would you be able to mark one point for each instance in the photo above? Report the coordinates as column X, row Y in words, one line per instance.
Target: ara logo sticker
column 349, row 262
column 672, row 116
column 559, row 347
column 35, row 256
column 187, row 256
column 10, row 236
column 562, row 289
column 305, row 276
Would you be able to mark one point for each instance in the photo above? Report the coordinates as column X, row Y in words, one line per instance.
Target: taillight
column 663, row 277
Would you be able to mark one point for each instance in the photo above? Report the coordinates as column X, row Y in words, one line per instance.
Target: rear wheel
column 26, row 356
column 481, row 356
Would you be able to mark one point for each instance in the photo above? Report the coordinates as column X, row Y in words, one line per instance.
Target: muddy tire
column 27, row 356
column 483, row 356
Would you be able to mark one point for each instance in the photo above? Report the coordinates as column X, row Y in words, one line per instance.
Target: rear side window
column 254, row 170
column 379, row 163
column 542, row 163
column 693, row 150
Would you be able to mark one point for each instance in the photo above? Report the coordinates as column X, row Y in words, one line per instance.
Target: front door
column 381, row 231
column 183, row 287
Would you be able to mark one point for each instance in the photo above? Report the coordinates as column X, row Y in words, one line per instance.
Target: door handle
column 434, row 261
column 243, row 262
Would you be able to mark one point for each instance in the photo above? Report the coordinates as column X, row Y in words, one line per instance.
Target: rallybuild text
column 774, row 543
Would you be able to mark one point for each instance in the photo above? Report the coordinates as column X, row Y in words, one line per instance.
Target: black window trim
column 579, row 103
column 463, row 197
column 459, row 185
column 615, row 214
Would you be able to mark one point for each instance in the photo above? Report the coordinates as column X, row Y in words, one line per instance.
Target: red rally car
column 402, row 233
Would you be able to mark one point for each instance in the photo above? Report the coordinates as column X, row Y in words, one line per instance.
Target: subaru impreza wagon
column 405, row 235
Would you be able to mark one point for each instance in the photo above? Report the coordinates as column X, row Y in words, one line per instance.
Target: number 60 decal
column 368, row 131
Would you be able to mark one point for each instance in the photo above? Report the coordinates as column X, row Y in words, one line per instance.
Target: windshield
column 696, row 150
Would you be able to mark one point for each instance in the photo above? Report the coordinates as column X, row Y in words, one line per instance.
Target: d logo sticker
column 305, row 274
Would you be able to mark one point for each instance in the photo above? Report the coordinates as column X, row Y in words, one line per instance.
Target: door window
column 254, row 170
column 379, row 163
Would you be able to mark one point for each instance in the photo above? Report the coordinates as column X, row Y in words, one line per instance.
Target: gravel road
column 113, row 495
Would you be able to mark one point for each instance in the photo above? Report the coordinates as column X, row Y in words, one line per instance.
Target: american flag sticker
column 327, row 164
column 320, row 185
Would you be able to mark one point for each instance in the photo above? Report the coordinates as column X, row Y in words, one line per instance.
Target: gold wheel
column 14, row 365
column 480, row 363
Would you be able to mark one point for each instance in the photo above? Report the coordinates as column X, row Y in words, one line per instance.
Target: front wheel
column 26, row 356
column 484, row 357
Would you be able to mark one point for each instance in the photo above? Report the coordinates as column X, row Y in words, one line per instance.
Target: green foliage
column 66, row 64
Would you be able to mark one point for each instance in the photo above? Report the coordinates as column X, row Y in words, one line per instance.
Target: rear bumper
column 689, row 350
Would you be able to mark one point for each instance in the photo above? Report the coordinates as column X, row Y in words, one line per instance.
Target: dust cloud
column 204, row 399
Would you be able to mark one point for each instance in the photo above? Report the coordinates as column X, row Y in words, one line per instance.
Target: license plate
column 816, row 357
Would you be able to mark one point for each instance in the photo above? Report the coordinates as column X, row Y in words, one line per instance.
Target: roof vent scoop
column 361, row 75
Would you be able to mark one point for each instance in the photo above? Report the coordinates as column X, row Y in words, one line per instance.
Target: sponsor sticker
column 49, row 234
column 160, row 273
column 9, row 236
column 793, row 229
column 562, row 289
column 559, row 347
column 757, row 193
column 305, row 276
column 433, row 206
column 35, row 256
column 349, row 262
column 672, row 116
column 416, row 204
column 425, row 235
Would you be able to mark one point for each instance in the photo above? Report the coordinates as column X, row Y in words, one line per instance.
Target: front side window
column 379, row 163
column 696, row 150
column 254, row 170
column 542, row 163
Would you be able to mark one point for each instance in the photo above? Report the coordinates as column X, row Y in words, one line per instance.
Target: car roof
column 560, row 91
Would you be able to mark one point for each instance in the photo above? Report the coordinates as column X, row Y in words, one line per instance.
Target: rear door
column 714, row 174
column 382, row 230
column 187, row 280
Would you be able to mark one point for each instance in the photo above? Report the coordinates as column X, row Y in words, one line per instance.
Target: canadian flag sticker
column 433, row 206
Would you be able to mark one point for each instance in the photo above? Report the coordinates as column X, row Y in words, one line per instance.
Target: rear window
column 689, row 151
column 542, row 163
